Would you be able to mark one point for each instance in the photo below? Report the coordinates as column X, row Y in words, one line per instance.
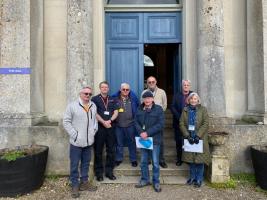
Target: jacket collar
column 81, row 102
column 197, row 107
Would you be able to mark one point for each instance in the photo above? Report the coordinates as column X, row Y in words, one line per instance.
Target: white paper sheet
column 196, row 148
column 139, row 145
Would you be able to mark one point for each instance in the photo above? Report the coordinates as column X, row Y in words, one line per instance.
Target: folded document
column 196, row 148
column 144, row 143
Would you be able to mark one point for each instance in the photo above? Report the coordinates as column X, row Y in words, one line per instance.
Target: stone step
column 125, row 173
column 169, row 155
column 168, row 180
column 125, row 169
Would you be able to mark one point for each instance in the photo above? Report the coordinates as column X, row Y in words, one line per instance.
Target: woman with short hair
column 194, row 124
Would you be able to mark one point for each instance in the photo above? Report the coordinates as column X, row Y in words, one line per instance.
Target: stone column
column 80, row 68
column 15, row 53
column 264, row 16
column 211, row 67
column 37, row 61
column 255, row 79
column 21, row 62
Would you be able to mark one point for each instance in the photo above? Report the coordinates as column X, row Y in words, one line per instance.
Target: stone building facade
column 57, row 46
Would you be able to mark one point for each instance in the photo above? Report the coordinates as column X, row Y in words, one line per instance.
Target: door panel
column 124, row 27
column 125, row 64
column 162, row 27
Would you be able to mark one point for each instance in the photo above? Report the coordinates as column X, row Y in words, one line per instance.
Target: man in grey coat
column 81, row 125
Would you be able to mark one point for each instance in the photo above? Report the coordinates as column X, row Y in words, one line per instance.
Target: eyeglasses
column 125, row 89
column 86, row 94
column 151, row 82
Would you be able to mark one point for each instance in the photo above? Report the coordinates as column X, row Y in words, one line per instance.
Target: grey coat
column 202, row 125
column 79, row 124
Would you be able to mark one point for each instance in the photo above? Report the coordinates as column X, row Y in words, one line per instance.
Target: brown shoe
column 86, row 186
column 75, row 192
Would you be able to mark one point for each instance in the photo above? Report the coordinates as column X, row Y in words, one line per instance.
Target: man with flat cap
column 149, row 122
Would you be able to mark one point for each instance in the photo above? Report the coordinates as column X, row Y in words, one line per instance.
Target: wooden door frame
column 189, row 40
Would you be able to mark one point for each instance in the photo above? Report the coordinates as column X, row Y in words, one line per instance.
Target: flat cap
column 147, row 94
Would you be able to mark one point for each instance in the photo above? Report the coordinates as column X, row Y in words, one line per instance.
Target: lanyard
column 105, row 104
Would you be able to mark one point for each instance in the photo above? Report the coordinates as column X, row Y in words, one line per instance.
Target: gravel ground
column 59, row 189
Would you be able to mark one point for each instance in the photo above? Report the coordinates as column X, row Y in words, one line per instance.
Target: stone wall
column 241, row 138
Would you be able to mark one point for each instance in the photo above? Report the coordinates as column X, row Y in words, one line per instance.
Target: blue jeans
column 145, row 154
column 77, row 155
column 126, row 134
column 196, row 171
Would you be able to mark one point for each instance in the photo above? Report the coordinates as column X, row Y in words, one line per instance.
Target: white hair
column 125, row 84
column 194, row 94
column 85, row 87
column 186, row 80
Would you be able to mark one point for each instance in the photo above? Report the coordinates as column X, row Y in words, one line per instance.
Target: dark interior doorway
column 166, row 64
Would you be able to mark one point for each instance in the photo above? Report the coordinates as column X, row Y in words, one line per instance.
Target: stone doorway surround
column 203, row 46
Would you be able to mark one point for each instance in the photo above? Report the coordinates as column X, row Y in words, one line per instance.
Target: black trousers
column 104, row 136
column 179, row 143
column 161, row 152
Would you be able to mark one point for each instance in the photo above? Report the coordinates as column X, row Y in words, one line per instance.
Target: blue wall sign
column 25, row 70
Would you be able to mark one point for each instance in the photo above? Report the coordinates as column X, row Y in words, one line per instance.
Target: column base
column 214, row 120
column 219, row 169
column 253, row 117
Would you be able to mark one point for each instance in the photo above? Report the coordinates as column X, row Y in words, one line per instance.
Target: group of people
column 113, row 121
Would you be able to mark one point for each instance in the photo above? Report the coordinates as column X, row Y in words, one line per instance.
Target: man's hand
column 107, row 124
column 143, row 135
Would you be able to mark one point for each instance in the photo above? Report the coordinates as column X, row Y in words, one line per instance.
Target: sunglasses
column 124, row 89
column 86, row 94
column 151, row 82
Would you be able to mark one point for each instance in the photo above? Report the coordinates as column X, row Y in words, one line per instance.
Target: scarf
column 192, row 119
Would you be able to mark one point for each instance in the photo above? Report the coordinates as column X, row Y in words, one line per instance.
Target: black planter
column 259, row 161
column 24, row 174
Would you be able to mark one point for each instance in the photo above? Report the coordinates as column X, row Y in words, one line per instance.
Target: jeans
column 104, row 136
column 126, row 134
column 145, row 154
column 77, row 155
column 196, row 171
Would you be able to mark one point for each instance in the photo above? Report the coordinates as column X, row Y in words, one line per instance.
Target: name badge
column 144, row 127
column 191, row 127
column 121, row 110
column 106, row 113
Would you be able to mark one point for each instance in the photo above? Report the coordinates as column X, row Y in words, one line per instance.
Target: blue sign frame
column 15, row 70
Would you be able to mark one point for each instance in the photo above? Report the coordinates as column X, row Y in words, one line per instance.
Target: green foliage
column 229, row 184
column 258, row 189
column 245, row 178
column 13, row 155
column 53, row 177
column 235, row 180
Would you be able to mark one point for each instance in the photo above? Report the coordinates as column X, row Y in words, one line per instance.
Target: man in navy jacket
column 178, row 103
column 149, row 122
column 107, row 112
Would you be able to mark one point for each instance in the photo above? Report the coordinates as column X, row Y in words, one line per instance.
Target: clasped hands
column 144, row 135
column 193, row 140
column 107, row 124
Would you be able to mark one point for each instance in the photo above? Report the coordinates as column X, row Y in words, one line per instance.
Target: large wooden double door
column 126, row 34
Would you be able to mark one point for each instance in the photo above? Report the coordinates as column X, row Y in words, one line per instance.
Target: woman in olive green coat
column 194, row 123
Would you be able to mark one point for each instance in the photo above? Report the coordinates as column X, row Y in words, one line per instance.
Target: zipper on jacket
column 76, row 137
column 88, row 121
column 87, row 127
